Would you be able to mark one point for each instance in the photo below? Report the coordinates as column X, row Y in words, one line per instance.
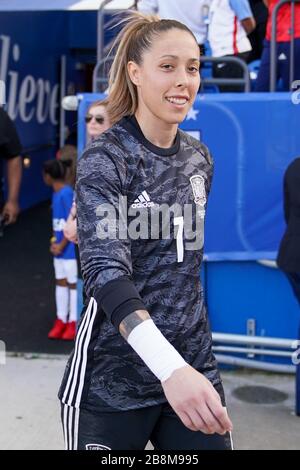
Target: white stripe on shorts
column 231, row 441
column 79, row 345
column 70, row 423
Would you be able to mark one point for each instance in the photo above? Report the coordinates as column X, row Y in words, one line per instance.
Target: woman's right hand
column 196, row 402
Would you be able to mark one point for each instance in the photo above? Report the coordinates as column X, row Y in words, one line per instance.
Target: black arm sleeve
column 118, row 299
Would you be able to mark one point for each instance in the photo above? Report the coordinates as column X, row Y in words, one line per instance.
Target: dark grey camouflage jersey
column 104, row 372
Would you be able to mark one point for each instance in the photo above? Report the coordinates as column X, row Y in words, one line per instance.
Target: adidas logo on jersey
column 143, row 201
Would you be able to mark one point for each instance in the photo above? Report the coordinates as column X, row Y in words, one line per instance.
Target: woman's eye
column 194, row 69
column 167, row 66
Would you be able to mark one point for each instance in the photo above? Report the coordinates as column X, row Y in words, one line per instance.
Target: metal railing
column 104, row 64
column 101, row 74
column 245, row 81
column 101, row 49
column 101, row 70
column 273, row 58
column 255, row 346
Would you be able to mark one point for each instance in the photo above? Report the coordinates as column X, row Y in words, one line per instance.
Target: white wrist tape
column 155, row 350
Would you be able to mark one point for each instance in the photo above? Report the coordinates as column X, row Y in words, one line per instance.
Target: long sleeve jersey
column 141, row 212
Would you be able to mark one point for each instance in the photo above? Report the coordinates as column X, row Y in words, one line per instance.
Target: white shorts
column 66, row 269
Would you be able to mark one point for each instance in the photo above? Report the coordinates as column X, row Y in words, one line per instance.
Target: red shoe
column 70, row 331
column 57, row 331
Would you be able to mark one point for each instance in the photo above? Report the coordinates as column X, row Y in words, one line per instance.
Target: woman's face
column 168, row 78
column 96, row 121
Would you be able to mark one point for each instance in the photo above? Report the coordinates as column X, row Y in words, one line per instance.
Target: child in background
column 65, row 265
column 65, row 153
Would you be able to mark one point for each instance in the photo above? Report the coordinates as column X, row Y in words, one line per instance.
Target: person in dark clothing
column 257, row 37
column 10, row 149
column 288, row 258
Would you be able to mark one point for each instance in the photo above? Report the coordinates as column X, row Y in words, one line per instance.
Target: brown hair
column 136, row 37
column 98, row 103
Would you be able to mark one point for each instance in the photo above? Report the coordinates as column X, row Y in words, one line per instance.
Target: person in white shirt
column 192, row 13
column 230, row 23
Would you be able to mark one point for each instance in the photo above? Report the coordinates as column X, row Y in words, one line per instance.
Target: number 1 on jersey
column 178, row 222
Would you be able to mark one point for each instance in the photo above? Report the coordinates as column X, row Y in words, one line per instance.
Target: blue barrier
column 239, row 292
column 253, row 138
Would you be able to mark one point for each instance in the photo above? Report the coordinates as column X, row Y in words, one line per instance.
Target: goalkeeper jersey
column 141, row 213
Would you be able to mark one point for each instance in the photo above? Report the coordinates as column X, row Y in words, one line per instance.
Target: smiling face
column 168, row 78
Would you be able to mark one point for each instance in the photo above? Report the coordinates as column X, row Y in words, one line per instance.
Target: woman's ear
column 134, row 73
